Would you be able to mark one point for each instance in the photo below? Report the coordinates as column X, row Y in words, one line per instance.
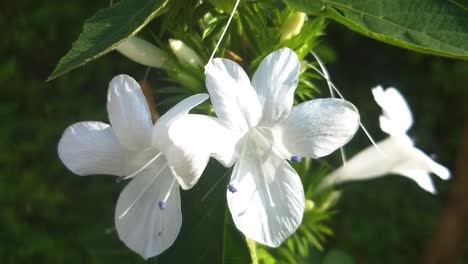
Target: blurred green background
column 49, row 215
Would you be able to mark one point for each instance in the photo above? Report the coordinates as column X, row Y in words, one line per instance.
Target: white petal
column 422, row 178
column 397, row 117
column 397, row 156
column 316, row 128
column 92, row 148
column 269, row 202
column 369, row 163
column 275, row 82
column 194, row 139
column 140, row 223
column 430, row 165
column 161, row 129
column 233, row 98
column 128, row 111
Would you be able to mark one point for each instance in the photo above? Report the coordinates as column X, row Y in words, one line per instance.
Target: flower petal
column 233, row 98
column 161, row 128
column 397, row 156
column 275, row 82
column 194, row 139
column 368, row 163
column 316, row 128
column 430, row 165
column 396, row 118
column 141, row 224
column 422, row 178
column 92, row 148
column 129, row 113
column 268, row 203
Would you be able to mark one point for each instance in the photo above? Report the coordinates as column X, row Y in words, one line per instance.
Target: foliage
column 429, row 26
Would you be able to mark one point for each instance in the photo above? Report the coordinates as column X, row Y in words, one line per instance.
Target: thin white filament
column 333, row 87
column 144, row 166
column 169, row 191
column 142, row 192
column 224, row 30
column 214, row 185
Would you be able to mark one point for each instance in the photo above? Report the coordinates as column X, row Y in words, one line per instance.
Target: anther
column 296, row 158
column 162, row 205
column 231, row 188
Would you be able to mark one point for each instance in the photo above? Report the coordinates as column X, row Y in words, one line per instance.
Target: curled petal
column 275, row 82
column 234, row 100
column 141, row 223
column 396, row 118
column 161, row 128
column 129, row 113
column 266, row 197
column 92, row 148
column 316, row 128
column 194, row 139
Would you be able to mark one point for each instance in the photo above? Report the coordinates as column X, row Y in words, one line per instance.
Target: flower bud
column 292, row 26
column 184, row 53
column 143, row 52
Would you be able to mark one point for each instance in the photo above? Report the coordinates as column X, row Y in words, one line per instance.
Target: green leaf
column 106, row 30
column 429, row 26
column 208, row 234
column 337, row 257
column 307, row 6
column 460, row 3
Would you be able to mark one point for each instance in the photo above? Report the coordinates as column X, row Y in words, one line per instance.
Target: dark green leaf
column 461, row 3
column 107, row 29
column 429, row 26
column 337, row 257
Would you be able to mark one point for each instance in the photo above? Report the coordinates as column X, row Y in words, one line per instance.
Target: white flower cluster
column 256, row 130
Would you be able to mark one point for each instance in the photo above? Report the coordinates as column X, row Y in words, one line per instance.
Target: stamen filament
column 164, row 201
column 224, row 31
column 144, row 190
column 144, row 166
column 332, row 88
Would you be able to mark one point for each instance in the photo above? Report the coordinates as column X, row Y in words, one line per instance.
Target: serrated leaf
column 429, row 26
column 106, row 30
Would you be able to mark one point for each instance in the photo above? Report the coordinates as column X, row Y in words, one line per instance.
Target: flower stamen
column 162, row 204
column 295, row 158
column 144, row 166
column 142, row 192
column 231, row 188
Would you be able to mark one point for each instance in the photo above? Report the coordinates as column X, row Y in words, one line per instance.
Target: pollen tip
column 162, row 205
column 231, row 188
column 295, row 158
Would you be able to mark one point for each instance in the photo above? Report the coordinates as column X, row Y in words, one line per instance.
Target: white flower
column 397, row 154
column 143, row 52
column 148, row 216
column 258, row 129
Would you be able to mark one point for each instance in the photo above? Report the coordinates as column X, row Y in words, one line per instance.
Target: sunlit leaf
column 107, row 29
